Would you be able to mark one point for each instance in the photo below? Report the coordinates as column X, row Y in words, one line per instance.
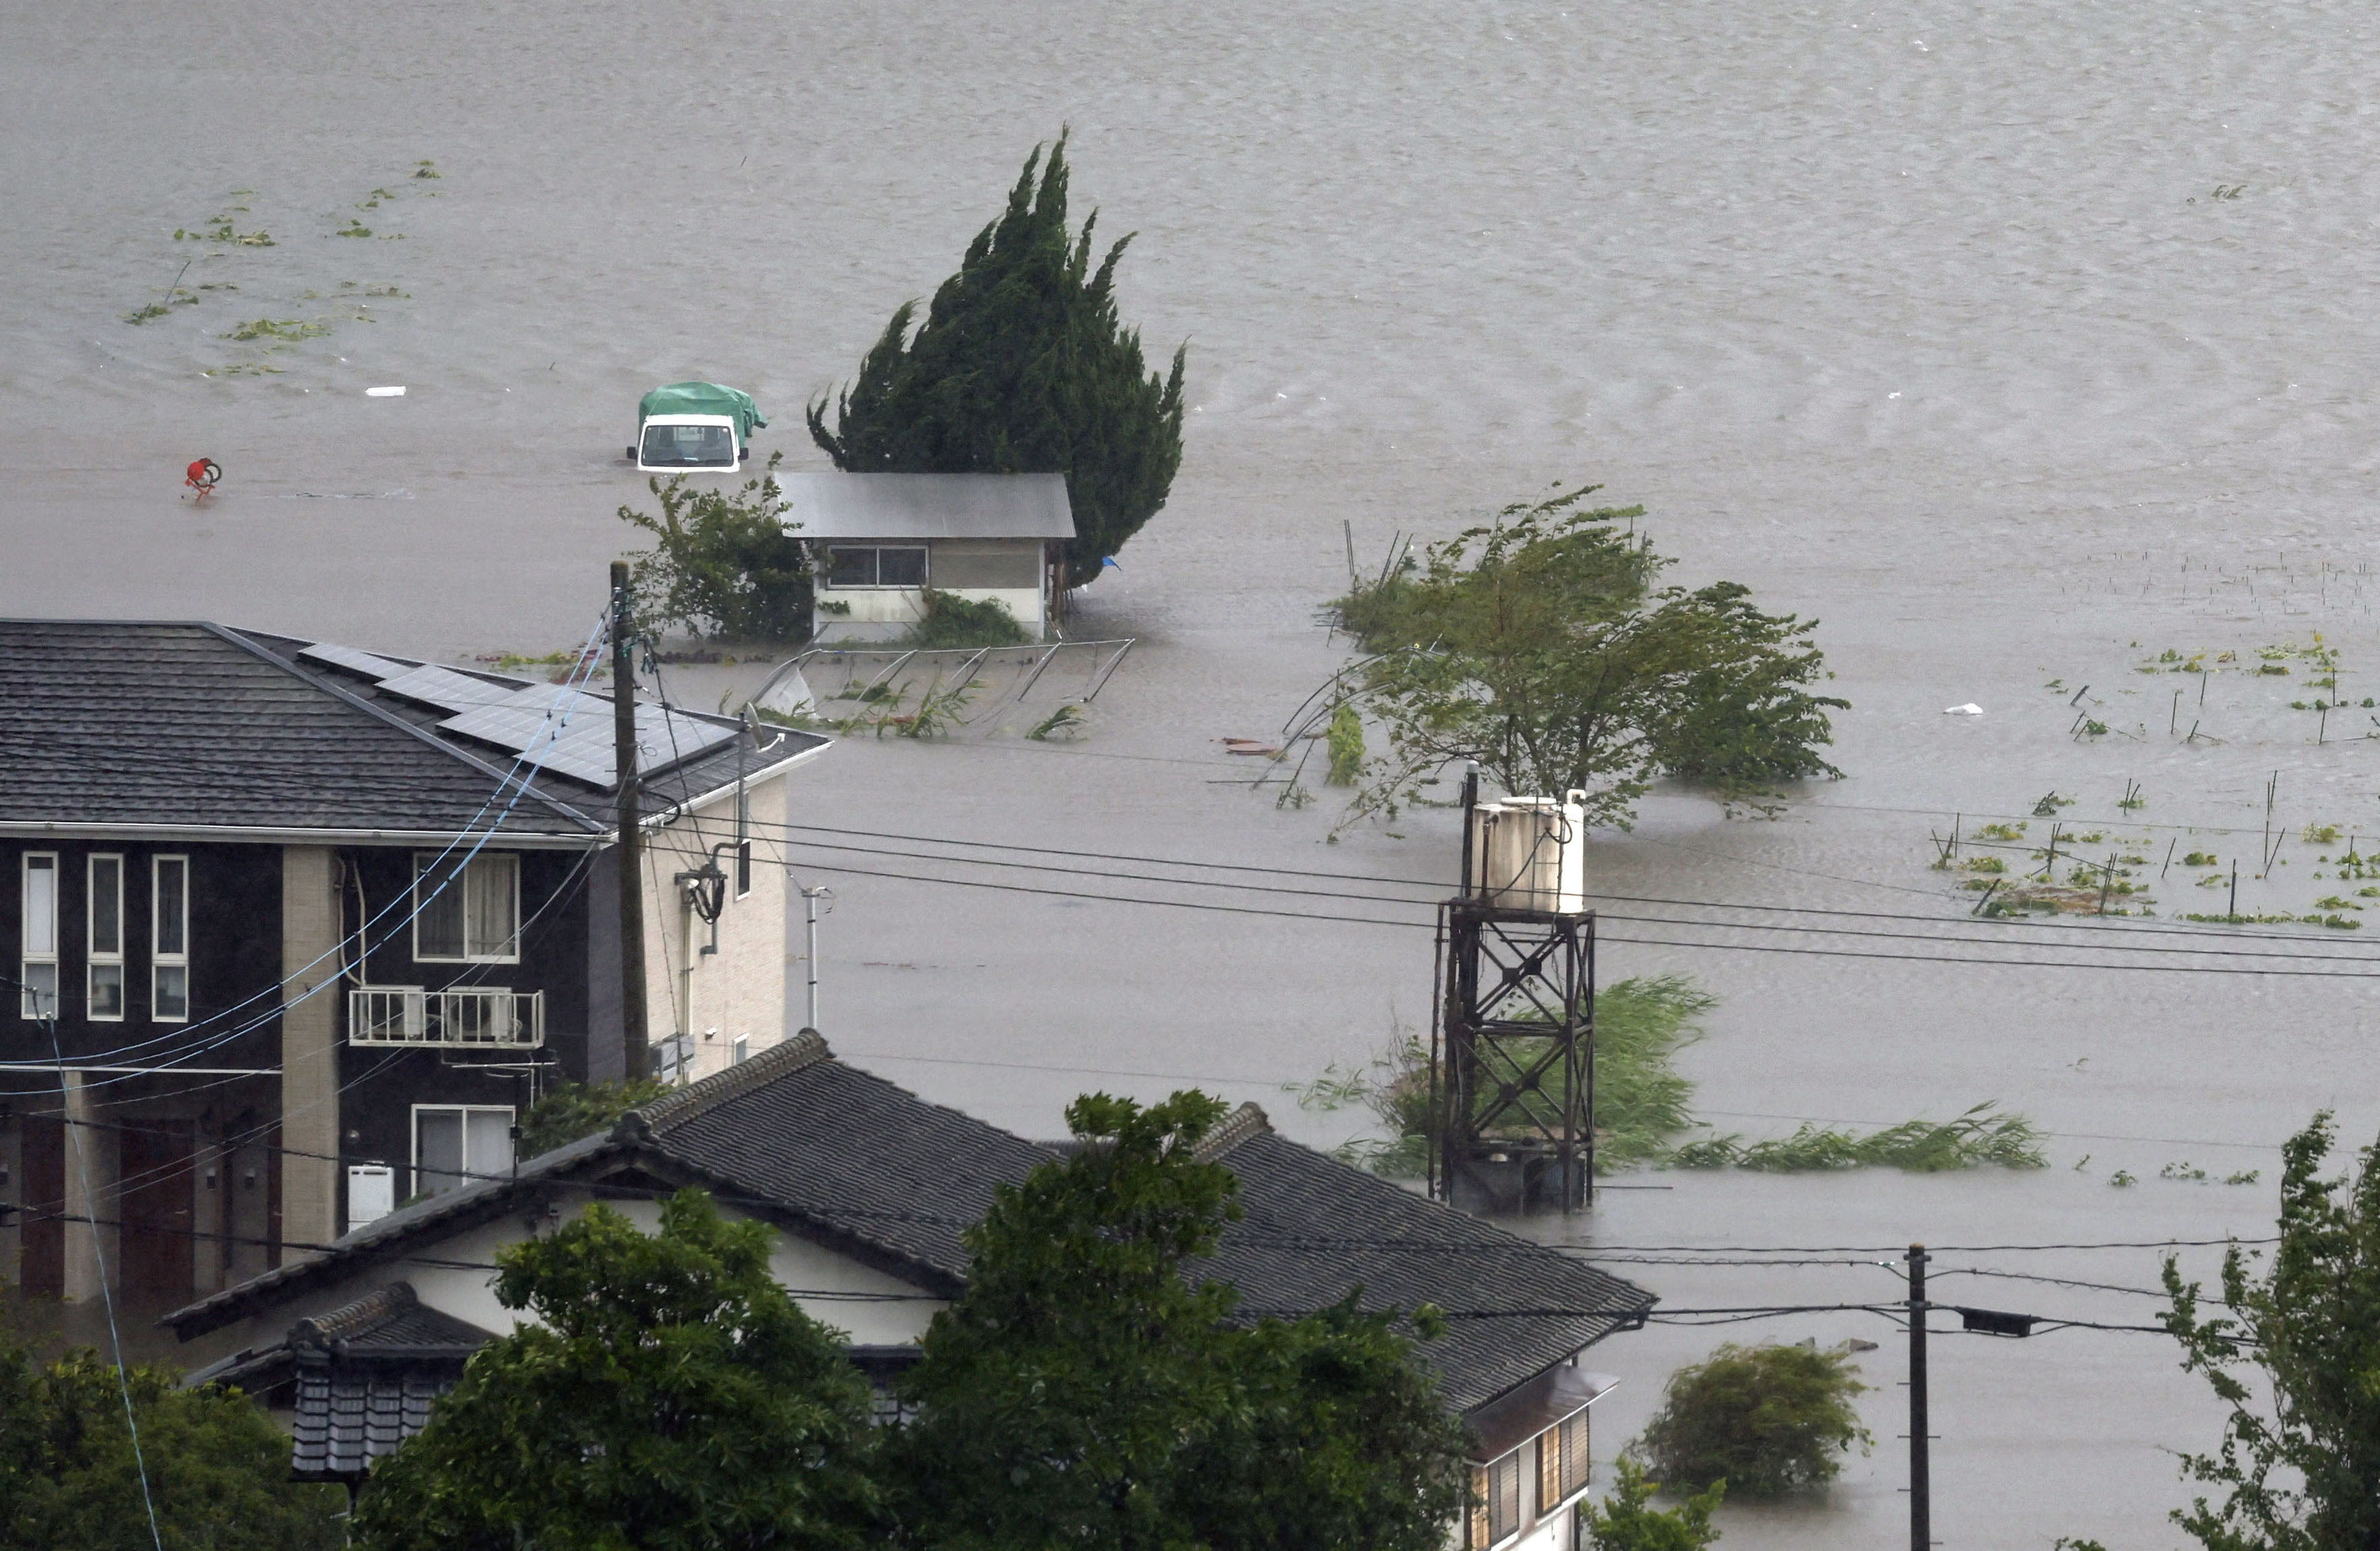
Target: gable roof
column 850, row 1160
column 191, row 729
column 926, row 505
column 1315, row 1230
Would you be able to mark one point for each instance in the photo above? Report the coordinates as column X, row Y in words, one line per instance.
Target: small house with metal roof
column 872, row 1189
column 878, row 542
column 291, row 933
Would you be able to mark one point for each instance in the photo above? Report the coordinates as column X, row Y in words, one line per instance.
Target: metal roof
column 927, row 505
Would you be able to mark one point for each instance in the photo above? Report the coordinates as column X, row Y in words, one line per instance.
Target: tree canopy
column 1541, row 646
column 1089, row 1389
column 1022, row 366
column 2302, row 1472
column 1763, row 1419
column 673, row 1399
column 723, row 564
column 209, row 1461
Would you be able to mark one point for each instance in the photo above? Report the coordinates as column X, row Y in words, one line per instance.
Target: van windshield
column 688, row 447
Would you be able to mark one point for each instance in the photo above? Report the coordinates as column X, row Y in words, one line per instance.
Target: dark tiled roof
column 347, row 1417
column 864, row 1160
column 390, row 1323
column 188, row 725
column 1315, row 1230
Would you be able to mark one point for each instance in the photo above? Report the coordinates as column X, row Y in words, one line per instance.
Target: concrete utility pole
column 1921, row 1465
column 634, row 1039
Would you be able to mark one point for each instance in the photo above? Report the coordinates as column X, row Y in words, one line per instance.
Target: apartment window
column 855, row 565
column 103, row 969
column 169, row 955
column 467, row 913
column 38, row 960
column 454, row 1144
column 743, row 868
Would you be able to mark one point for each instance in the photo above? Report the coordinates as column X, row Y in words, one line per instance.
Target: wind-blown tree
column 1089, row 1389
column 2302, row 1469
column 674, row 1398
column 1022, row 366
column 1541, row 646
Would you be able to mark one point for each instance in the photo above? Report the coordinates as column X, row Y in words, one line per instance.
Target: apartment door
column 155, row 1171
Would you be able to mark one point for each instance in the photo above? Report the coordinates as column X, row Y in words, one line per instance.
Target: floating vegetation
column 2245, row 1177
column 278, row 328
column 2123, row 1179
column 354, row 229
column 1063, row 724
column 242, row 368
column 372, row 201
column 1975, row 1139
column 2334, row 920
column 2001, row 831
column 2319, row 834
column 177, row 297
column 426, row 169
column 2202, row 859
column 222, row 228
column 2050, row 804
column 2180, row 1171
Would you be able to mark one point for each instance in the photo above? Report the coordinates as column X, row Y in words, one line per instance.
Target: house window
column 104, row 971
column 454, row 1144
column 1496, row 1508
column 743, row 868
column 169, row 954
column 1562, row 1460
column 38, row 962
column 856, row 565
column 467, row 913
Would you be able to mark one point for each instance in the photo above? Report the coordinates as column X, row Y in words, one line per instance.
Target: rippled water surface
column 2017, row 343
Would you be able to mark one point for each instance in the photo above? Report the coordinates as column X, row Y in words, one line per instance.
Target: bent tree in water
column 1542, row 647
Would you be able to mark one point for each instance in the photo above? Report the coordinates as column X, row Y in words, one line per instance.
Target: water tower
column 1512, row 1048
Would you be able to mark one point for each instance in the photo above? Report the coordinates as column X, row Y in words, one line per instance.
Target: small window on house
column 37, row 953
column 743, row 868
column 743, row 1048
column 1504, row 1499
column 104, row 970
column 1570, row 1459
column 467, row 913
column 858, row 565
column 454, row 1144
column 1478, row 1538
column 169, row 950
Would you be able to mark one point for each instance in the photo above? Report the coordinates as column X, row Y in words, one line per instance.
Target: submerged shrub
column 1766, row 1420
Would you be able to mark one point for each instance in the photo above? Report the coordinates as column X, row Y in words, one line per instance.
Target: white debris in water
column 383, row 393
column 1970, row 708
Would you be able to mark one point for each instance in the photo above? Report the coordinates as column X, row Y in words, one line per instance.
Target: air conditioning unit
column 1530, row 854
column 372, row 1192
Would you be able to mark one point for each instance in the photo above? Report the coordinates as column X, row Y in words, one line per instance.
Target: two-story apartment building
column 291, row 933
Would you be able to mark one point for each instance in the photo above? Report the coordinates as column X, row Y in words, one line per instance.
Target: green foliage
column 2302, row 1473
column 217, row 1467
column 1345, row 740
column 574, row 1109
column 1062, row 725
column 722, row 564
column 1089, row 1389
column 1022, row 366
column 950, row 620
column 1765, row 1419
column 1540, row 647
column 1973, row 1140
column 1627, row 1521
column 671, row 1398
column 1640, row 1100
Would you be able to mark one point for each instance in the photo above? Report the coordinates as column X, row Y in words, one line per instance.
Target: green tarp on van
column 705, row 398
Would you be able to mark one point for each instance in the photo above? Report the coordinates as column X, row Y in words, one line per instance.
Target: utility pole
column 1921, row 1476
column 634, row 1040
column 810, row 898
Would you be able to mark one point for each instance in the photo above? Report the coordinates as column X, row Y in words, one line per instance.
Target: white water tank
column 372, row 1192
column 1530, row 854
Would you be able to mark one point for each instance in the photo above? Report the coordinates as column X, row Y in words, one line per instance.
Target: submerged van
column 691, row 427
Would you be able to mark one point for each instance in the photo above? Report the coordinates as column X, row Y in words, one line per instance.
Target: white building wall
column 738, row 992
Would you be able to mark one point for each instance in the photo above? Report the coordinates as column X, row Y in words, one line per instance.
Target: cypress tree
column 1022, row 366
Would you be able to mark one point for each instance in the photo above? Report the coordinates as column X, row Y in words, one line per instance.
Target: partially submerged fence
column 940, row 692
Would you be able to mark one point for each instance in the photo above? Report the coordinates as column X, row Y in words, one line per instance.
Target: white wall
column 738, row 992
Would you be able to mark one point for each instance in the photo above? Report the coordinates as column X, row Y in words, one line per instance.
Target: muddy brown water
column 2017, row 344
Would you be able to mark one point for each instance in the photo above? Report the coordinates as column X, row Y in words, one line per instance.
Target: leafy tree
column 723, row 564
column 1766, row 1420
column 1541, row 646
column 2302, row 1473
column 217, row 1469
column 1022, row 366
column 672, row 1397
column 1090, row 1391
column 571, row 1110
column 1627, row 1521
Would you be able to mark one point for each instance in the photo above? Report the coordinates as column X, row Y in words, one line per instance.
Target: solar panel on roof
column 364, row 662
column 447, row 689
column 572, row 734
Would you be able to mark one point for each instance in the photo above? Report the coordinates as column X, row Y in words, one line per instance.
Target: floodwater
column 2017, row 342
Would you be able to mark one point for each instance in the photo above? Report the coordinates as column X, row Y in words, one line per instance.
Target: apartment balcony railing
column 467, row 1017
